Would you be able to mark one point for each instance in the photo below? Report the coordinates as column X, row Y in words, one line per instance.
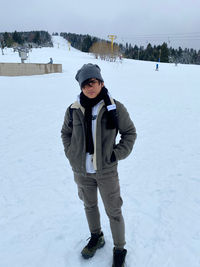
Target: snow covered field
column 42, row 221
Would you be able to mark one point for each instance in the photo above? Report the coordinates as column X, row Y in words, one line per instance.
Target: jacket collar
column 77, row 105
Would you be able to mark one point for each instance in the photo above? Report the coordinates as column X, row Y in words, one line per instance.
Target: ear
column 102, row 84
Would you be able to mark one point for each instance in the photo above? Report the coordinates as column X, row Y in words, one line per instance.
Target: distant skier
column 157, row 67
column 51, row 61
column 89, row 139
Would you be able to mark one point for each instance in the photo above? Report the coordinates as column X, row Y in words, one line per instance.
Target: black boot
column 119, row 257
column 96, row 241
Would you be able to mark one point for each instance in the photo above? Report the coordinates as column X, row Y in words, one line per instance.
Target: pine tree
column 37, row 38
column 7, row 39
column 164, row 53
column 17, row 37
column 149, row 53
column 87, row 43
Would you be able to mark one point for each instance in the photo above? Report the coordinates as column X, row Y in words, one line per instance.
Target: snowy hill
column 42, row 221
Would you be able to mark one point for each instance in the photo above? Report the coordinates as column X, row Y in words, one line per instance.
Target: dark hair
column 86, row 82
column 99, row 81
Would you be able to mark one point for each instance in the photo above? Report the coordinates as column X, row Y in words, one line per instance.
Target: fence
column 24, row 69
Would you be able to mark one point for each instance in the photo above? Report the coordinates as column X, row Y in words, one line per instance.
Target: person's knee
column 80, row 194
column 113, row 206
column 114, row 214
column 90, row 203
column 91, row 208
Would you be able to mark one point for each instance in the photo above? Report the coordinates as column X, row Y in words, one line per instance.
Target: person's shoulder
column 75, row 105
column 70, row 108
column 118, row 103
column 120, row 107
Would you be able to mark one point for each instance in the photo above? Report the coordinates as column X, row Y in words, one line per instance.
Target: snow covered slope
column 42, row 221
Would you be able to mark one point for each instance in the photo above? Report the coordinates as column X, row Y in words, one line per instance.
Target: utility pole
column 159, row 55
column 112, row 38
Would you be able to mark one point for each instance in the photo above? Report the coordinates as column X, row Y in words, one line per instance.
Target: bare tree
column 103, row 51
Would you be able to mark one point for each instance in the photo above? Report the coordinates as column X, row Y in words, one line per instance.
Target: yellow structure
column 69, row 45
column 112, row 38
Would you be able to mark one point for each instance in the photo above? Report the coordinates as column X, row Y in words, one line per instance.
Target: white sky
column 137, row 21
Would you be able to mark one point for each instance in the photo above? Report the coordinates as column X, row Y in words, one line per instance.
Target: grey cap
column 88, row 71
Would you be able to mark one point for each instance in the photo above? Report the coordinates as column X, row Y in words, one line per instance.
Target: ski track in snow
column 42, row 221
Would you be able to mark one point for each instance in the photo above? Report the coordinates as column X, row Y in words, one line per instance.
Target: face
column 92, row 88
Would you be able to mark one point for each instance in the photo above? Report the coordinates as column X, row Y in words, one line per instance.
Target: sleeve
column 66, row 131
column 127, row 133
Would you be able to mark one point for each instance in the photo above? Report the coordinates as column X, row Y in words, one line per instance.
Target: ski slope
column 42, row 220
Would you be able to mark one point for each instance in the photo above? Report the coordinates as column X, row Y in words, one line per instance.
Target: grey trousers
column 108, row 185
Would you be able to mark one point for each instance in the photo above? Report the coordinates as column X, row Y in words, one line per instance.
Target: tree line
column 32, row 38
column 102, row 48
column 86, row 43
column 163, row 54
column 159, row 53
column 80, row 41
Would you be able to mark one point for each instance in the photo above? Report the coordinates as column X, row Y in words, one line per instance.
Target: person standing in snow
column 51, row 61
column 89, row 137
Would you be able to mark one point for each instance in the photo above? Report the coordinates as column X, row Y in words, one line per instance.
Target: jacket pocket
column 110, row 159
column 113, row 157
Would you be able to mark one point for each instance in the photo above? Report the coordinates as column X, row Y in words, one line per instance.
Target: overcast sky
column 137, row 21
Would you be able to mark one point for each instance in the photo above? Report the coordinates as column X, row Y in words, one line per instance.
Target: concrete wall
column 24, row 69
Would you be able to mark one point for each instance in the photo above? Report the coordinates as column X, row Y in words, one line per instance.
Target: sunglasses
column 89, row 83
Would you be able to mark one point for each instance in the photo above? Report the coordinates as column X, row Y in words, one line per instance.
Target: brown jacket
column 73, row 138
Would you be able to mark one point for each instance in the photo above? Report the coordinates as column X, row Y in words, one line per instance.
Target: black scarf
column 88, row 104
